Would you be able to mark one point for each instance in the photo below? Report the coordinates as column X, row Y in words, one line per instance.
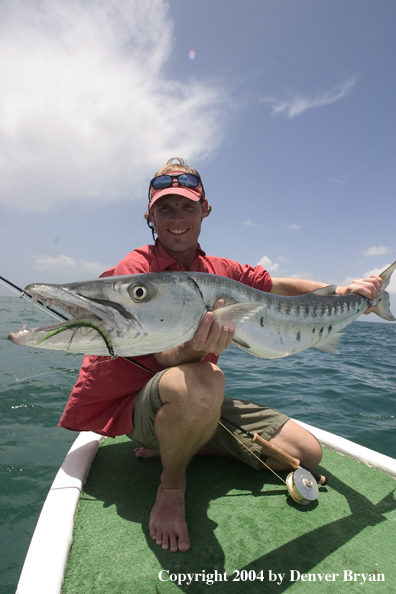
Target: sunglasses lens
column 188, row 180
column 163, row 181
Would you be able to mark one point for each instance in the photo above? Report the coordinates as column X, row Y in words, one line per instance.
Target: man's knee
column 300, row 443
column 199, row 386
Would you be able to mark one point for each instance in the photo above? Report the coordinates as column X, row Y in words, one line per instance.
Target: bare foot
column 167, row 523
column 144, row 453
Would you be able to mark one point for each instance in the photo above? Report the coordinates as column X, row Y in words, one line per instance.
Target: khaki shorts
column 253, row 417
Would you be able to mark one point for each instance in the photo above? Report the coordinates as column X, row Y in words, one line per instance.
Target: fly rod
column 28, row 296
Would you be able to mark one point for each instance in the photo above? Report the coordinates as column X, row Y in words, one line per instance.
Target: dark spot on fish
column 313, row 330
column 297, row 310
column 262, row 321
column 298, row 335
column 321, row 331
column 162, row 320
column 330, row 328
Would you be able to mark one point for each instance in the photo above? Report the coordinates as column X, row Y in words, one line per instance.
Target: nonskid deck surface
column 246, row 533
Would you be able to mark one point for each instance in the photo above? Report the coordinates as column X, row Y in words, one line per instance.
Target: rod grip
column 275, row 452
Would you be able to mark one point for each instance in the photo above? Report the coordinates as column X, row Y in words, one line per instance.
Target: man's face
column 178, row 222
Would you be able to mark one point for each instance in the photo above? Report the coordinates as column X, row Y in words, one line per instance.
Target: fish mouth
column 80, row 316
column 76, row 312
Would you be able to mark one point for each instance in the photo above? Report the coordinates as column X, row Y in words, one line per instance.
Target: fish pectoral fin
column 231, row 315
column 330, row 345
column 241, row 344
column 329, row 291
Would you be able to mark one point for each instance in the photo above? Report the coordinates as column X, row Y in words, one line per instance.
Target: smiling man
column 170, row 402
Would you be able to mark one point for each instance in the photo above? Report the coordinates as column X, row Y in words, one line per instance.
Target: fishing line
column 248, row 449
column 38, row 375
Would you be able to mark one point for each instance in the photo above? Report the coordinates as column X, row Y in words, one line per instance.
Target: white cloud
column 294, row 227
column 297, row 104
column 65, row 263
column 339, row 181
column 251, row 224
column 268, row 264
column 86, row 110
column 379, row 250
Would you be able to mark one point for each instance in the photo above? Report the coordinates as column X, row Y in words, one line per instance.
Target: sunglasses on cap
column 187, row 180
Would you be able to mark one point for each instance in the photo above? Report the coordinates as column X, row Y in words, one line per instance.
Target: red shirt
column 103, row 397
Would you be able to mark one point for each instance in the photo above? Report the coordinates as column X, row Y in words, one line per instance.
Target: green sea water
column 352, row 394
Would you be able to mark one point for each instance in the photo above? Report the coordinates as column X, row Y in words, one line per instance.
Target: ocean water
column 352, row 394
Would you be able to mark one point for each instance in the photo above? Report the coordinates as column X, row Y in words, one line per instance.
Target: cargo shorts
column 253, row 417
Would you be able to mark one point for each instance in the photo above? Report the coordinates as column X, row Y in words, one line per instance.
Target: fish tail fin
column 383, row 307
column 382, row 302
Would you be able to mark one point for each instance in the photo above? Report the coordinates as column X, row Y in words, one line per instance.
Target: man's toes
column 153, row 530
column 159, row 537
column 173, row 544
column 184, row 546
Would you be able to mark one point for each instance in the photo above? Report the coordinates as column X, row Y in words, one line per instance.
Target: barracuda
column 148, row 313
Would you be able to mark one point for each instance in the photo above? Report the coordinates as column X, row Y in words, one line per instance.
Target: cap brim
column 189, row 193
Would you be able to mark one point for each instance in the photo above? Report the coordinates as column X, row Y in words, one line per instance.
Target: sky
column 287, row 109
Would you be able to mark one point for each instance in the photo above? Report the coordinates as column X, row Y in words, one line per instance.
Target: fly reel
column 302, row 486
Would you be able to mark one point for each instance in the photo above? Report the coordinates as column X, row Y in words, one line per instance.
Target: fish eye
column 138, row 292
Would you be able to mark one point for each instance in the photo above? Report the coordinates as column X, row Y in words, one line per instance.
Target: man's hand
column 368, row 287
column 210, row 337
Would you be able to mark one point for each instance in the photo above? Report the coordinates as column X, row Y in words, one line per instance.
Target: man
column 171, row 402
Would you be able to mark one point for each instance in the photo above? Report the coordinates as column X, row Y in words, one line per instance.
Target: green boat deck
column 243, row 526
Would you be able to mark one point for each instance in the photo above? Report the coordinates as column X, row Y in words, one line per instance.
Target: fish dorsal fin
column 330, row 345
column 328, row 291
column 231, row 315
